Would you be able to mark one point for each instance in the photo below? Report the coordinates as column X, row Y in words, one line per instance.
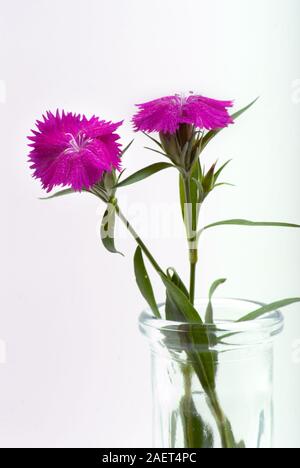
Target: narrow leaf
column 144, row 282
column 182, row 196
column 197, row 434
column 172, row 311
column 156, row 151
column 120, row 175
column 219, row 171
column 210, row 135
column 269, row 308
column 62, row 193
column 245, row 222
column 182, row 302
column 153, row 139
column 209, row 316
column 224, row 184
column 200, row 188
column 237, row 114
column 144, row 174
column 108, row 229
column 127, row 148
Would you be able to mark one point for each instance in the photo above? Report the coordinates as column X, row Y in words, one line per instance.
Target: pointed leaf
column 237, row 114
column 62, row 193
column 153, row 139
column 269, row 308
column 144, row 174
column 108, row 229
column 219, row 171
column 120, row 175
column 200, row 188
column 156, row 151
column 210, row 135
column 183, row 304
column 181, row 196
column 209, row 179
column 209, row 316
column 144, row 282
column 126, row 148
column 172, row 311
column 245, row 222
column 225, row 184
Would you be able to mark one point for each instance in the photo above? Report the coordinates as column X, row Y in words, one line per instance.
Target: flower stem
column 224, row 427
column 138, row 239
column 191, row 222
column 193, row 268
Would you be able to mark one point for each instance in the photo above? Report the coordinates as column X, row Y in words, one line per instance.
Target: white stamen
column 78, row 143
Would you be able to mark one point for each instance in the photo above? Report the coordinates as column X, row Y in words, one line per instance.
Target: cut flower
column 165, row 115
column 71, row 150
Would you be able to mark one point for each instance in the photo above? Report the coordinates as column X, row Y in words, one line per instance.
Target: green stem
column 224, row 427
column 222, row 422
column 191, row 222
column 138, row 239
column 193, row 268
column 188, row 420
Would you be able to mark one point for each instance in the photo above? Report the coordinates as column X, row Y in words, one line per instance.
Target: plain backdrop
column 74, row 369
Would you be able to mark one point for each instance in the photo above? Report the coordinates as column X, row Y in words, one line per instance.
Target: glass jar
column 213, row 383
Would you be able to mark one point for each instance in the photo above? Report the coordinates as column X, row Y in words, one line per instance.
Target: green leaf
column 196, row 192
column 182, row 196
column 62, row 193
column 222, row 184
column 245, row 222
column 210, row 135
column 156, row 151
column 219, row 171
column 209, row 179
column 172, row 311
column 120, row 175
column 194, row 338
column 200, row 188
column 153, row 139
column 197, row 434
column 108, row 229
column 144, row 282
column 237, row 114
column 209, row 316
column 144, row 174
column 127, row 148
column 179, row 298
column 269, row 308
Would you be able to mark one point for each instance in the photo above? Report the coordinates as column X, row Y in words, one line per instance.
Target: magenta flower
column 70, row 150
column 165, row 115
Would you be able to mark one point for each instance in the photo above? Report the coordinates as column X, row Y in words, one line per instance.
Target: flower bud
column 184, row 134
column 170, row 146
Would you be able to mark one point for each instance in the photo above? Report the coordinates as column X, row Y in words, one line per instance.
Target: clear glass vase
column 213, row 384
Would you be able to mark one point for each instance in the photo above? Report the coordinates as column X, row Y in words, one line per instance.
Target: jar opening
column 225, row 331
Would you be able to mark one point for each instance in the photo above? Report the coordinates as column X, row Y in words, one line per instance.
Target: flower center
column 78, row 142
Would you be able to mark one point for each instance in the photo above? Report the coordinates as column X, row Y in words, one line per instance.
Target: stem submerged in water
column 194, row 426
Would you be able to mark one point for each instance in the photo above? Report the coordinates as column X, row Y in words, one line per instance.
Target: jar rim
column 271, row 323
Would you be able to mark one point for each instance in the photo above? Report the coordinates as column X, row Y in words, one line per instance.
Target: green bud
column 209, row 179
column 170, row 146
column 108, row 182
column 184, row 134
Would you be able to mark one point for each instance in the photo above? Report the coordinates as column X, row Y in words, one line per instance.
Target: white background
column 77, row 371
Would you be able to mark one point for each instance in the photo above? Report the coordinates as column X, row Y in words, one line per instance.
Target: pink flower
column 70, row 150
column 165, row 115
